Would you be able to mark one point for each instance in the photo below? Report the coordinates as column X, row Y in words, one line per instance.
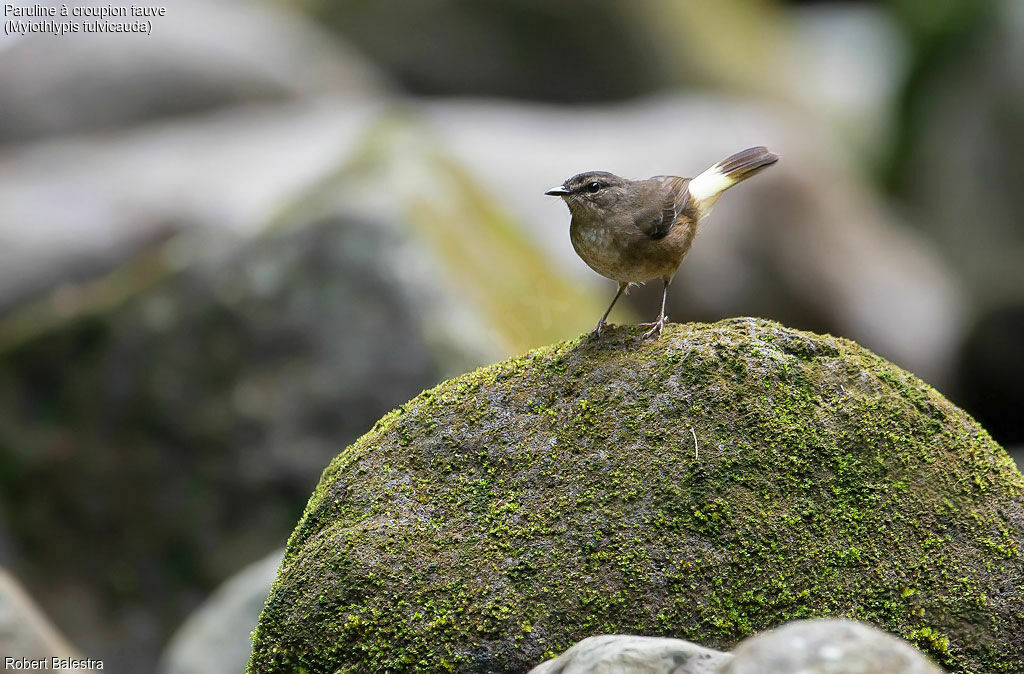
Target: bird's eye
column 593, row 187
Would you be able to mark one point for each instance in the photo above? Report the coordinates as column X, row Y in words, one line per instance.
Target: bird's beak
column 557, row 192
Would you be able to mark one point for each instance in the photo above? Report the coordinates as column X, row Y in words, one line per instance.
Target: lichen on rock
column 719, row 481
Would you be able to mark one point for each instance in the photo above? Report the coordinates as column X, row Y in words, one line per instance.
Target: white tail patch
column 710, row 184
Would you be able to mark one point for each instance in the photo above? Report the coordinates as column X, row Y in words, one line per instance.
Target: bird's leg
column 657, row 325
column 600, row 324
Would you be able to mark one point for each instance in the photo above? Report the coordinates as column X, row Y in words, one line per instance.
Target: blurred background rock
column 228, row 247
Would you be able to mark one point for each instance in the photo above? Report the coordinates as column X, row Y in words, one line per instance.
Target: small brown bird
column 633, row 231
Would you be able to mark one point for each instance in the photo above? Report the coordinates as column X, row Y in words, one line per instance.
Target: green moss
column 719, row 481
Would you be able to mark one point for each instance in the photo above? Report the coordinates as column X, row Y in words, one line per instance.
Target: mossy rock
column 716, row 482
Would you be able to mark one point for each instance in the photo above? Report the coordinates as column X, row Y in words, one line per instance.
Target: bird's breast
column 624, row 253
column 605, row 249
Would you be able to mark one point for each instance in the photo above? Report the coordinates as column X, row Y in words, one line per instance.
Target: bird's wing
column 676, row 198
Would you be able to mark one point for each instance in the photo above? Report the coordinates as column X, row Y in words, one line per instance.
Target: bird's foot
column 656, row 327
column 596, row 332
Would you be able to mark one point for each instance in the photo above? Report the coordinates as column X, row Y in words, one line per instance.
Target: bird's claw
column 656, row 327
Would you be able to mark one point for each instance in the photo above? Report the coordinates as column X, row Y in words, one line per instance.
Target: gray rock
column 216, row 638
column 1017, row 453
column 827, row 647
column 225, row 175
column 627, row 654
column 24, row 631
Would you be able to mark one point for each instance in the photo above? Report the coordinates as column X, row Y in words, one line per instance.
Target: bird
column 633, row 231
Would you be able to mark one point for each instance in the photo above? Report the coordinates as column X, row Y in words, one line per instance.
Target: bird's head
column 592, row 192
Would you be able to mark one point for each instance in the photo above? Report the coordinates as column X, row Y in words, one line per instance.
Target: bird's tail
column 706, row 187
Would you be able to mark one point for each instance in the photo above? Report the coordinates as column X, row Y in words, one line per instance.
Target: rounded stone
column 827, row 647
column 708, row 485
column 628, row 654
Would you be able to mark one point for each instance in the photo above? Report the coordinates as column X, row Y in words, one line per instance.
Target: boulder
column 24, row 631
column 216, row 638
column 1017, row 453
column 627, row 654
column 225, row 175
column 708, row 485
column 827, row 647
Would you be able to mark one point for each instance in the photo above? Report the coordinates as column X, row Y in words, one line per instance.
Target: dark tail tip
column 746, row 163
